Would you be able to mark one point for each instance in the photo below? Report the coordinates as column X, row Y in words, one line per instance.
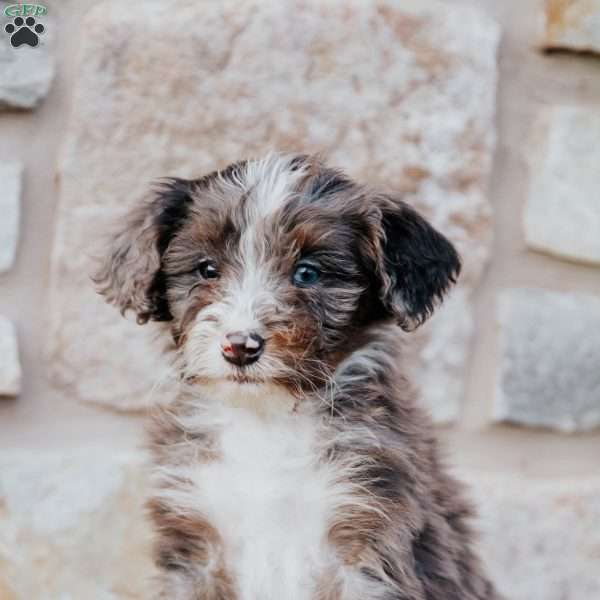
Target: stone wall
column 484, row 114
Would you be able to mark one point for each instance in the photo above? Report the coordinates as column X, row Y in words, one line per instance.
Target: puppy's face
column 270, row 270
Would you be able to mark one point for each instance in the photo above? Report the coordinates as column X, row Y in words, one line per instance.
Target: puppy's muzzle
column 242, row 348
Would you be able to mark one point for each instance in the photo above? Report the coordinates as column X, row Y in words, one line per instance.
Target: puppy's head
column 270, row 270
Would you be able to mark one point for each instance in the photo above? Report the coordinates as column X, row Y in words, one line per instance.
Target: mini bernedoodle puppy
column 293, row 462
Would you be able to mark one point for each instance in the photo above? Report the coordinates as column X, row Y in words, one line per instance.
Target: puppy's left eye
column 306, row 275
column 207, row 270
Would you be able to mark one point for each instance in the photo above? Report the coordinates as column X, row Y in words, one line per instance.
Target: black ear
column 130, row 276
column 418, row 264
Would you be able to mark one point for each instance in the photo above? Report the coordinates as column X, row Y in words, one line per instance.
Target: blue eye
column 306, row 275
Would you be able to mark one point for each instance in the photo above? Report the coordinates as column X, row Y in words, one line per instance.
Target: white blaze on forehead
column 270, row 182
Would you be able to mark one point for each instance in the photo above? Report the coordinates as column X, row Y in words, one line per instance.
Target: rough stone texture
column 10, row 367
column 441, row 357
column 540, row 538
column 550, row 345
column 10, row 208
column 573, row 25
column 25, row 73
column 562, row 214
column 412, row 109
column 72, row 527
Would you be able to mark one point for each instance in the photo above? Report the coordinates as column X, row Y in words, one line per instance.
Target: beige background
column 42, row 418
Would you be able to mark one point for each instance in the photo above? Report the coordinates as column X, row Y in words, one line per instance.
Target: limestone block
column 572, row 25
column 562, row 214
column 540, row 539
column 72, row 526
column 10, row 208
column 10, row 367
column 550, row 375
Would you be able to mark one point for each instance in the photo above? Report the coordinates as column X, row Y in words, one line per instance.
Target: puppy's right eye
column 208, row 270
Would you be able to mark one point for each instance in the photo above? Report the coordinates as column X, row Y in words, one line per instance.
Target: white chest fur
column 271, row 501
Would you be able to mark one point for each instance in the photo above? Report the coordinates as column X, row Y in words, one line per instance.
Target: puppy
column 292, row 462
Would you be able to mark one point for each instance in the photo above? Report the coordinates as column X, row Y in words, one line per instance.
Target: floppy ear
column 417, row 263
column 131, row 277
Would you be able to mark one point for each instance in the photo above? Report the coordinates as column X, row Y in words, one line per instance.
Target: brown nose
column 242, row 348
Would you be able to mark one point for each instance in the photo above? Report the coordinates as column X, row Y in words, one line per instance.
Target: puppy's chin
column 260, row 397
column 242, row 379
column 245, row 378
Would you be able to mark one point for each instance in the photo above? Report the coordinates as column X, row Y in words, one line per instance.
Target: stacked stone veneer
column 550, row 371
column 26, row 74
column 397, row 93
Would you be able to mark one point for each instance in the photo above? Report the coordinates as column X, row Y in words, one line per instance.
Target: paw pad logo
column 24, row 29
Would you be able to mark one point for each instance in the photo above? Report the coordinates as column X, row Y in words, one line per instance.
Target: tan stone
column 412, row 109
column 11, row 174
column 6, row 593
column 441, row 354
column 562, row 214
column 10, row 366
column 549, row 370
column 572, row 25
column 540, row 539
column 72, row 526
